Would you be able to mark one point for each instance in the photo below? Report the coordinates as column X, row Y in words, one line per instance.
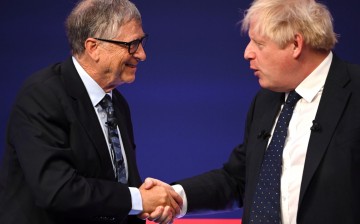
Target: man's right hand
column 161, row 203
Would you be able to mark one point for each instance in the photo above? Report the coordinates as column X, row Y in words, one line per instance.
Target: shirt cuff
column 136, row 201
column 180, row 190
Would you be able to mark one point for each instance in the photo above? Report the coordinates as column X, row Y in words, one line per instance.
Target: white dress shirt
column 96, row 94
column 297, row 139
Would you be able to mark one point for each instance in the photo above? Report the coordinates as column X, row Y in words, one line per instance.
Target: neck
column 308, row 62
column 314, row 59
column 91, row 68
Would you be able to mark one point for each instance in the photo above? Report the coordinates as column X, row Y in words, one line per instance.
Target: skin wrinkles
column 275, row 67
column 112, row 65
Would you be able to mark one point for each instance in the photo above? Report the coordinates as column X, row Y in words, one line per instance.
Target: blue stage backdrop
column 191, row 95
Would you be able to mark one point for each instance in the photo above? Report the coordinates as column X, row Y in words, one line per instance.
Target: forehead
column 253, row 28
column 255, row 34
column 131, row 30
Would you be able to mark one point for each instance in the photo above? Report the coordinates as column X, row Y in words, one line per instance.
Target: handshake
column 161, row 204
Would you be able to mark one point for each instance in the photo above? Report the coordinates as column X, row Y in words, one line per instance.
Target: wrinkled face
column 272, row 65
column 116, row 64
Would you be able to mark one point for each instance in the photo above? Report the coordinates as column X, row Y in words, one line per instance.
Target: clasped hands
column 161, row 204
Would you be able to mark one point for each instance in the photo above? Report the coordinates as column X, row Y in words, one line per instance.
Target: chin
column 263, row 84
column 129, row 80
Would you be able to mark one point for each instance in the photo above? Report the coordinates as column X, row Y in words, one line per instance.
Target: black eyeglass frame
column 127, row 44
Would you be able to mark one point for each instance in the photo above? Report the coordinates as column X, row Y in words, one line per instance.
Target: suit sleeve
column 220, row 189
column 216, row 190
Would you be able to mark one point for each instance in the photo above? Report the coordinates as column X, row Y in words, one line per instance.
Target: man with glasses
column 70, row 151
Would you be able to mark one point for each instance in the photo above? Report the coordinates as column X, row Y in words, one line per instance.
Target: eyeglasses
column 132, row 45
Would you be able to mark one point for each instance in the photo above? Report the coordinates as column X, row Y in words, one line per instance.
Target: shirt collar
column 96, row 93
column 314, row 83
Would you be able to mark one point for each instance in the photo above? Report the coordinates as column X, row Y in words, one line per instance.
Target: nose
column 140, row 53
column 249, row 53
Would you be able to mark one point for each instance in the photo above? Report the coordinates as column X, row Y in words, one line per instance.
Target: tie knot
column 292, row 98
column 106, row 102
column 107, row 105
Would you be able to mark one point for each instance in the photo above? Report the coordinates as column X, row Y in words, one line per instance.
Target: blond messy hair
column 281, row 20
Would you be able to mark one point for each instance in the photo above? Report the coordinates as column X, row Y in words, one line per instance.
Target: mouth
column 131, row 65
column 255, row 70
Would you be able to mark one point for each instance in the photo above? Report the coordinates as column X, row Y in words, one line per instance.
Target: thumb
column 149, row 183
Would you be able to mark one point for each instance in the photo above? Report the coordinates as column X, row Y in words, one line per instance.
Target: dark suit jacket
column 56, row 166
column 330, row 188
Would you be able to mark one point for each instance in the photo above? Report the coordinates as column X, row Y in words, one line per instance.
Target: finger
column 175, row 206
column 143, row 215
column 177, row 198
column 156, row 214
column 168, row 215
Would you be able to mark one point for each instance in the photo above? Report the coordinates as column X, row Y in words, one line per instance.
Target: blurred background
column 191, row 95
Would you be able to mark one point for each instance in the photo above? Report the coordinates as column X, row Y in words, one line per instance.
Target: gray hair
column 280, row 20
column 98, row 18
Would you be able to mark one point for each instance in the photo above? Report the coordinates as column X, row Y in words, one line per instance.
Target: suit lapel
column 86, row 114
column 332, row 105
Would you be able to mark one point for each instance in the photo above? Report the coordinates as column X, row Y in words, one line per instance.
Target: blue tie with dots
column 266, row 201
column 114, row 140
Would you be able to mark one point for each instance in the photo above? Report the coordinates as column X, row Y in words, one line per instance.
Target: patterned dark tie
column 113, row 138
column 266, row 202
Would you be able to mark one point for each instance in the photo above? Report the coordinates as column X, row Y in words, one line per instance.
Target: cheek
column 126, row 74
column 121, row 58
column 118, row 64
column 267, row 64
column 271, row 69
column 273, row 63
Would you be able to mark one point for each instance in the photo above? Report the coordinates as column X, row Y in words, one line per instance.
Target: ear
column 92, row 48
column 298, row 45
